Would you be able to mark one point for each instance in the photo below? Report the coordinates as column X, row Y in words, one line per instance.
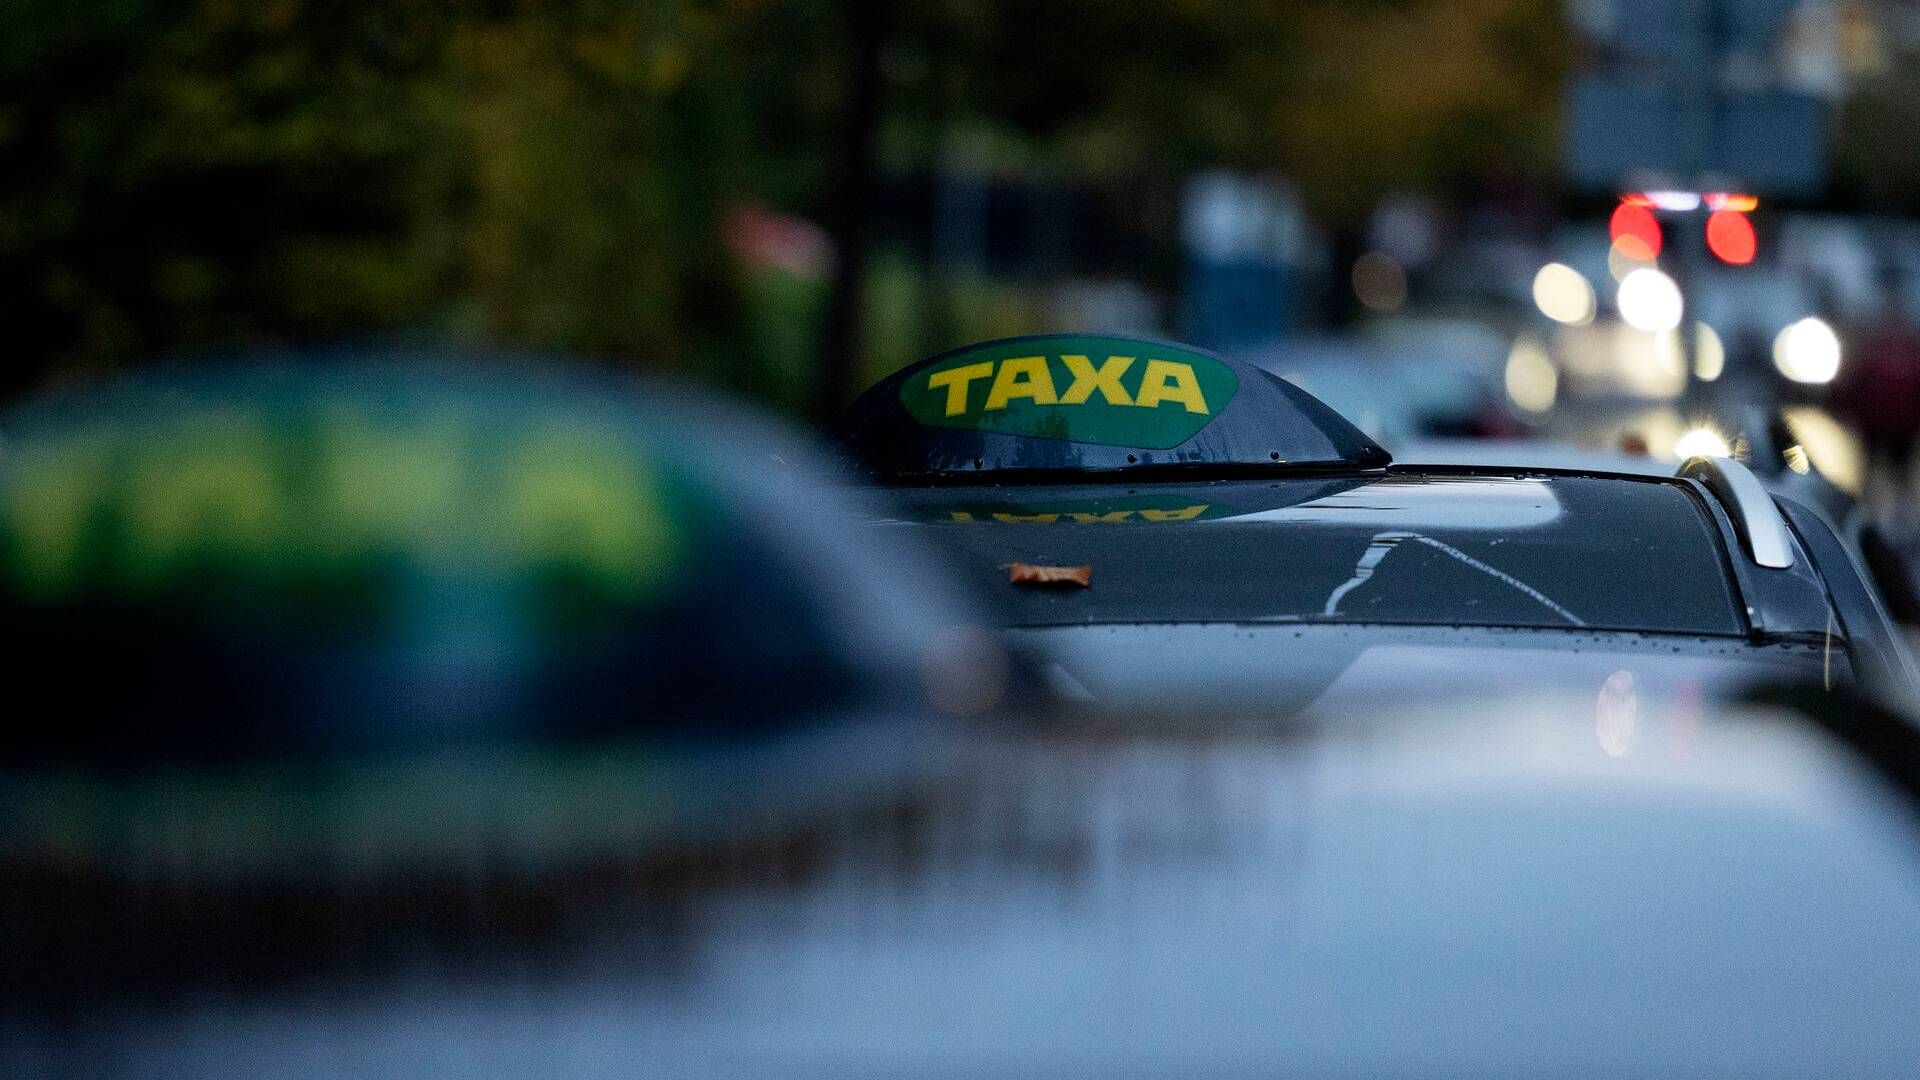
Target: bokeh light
column 1380, row 282
column 1635, row 231
column 1702, row 441
column 1830, row 446
column 1619, row 265
column 1680, row 201
column 1532, row 382
column 1670, row 356
column 1731, row 238
column 1807, row 351
column 965, row 671
column 1709, row 353
column 1564, row 295
column 1649, row 300
column 1616, row 713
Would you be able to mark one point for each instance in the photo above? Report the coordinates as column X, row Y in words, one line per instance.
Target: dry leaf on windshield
column 1057, row 577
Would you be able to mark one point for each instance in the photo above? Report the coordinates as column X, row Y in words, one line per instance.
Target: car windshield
column 1567, row 552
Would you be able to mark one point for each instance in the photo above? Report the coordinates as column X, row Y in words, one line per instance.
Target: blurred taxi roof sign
column 345, row 554
column 1077, row 403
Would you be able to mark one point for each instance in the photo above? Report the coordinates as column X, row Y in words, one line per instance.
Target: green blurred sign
column 329, row 510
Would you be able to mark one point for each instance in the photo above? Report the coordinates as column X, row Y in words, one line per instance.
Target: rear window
column 1409, row 549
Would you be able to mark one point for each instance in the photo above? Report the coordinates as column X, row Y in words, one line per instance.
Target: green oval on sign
column 1107, row 391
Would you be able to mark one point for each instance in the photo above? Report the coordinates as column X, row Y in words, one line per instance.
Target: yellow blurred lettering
column 1038, row 519
column 395, row 488
column 52, row 493
column 584, row 501
column 210, row 485
column 1113, row 518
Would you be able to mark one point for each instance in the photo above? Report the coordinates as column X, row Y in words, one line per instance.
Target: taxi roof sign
column 1080, row 403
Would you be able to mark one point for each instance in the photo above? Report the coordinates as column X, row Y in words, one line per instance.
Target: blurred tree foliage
column 182, row 173
column 1351, row 99
column 557, row 173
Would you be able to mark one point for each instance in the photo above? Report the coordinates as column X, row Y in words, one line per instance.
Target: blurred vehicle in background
column 1880, row 391
column 373, row 664
column 1787, row 354
column 1408, row 379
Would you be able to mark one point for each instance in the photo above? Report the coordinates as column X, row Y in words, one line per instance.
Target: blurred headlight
column 1649, row 300
column 1563, row 294
column 1807, row 352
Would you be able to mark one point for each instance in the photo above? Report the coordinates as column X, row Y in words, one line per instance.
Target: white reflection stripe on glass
column 1385, row 542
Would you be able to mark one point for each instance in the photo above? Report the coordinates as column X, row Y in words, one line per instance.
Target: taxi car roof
column 1822, row 600
column 1469, row 892
column 1528, row 455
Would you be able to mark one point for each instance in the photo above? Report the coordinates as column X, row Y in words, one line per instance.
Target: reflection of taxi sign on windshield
column 1074, row 402
column 1134, row 510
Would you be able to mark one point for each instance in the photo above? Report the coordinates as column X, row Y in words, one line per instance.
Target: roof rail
column 1762, row 531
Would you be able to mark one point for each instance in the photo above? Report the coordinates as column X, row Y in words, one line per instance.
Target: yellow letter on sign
column 1168, row 381
column 1022, row 377
column 1106, row 380
column 956, row 380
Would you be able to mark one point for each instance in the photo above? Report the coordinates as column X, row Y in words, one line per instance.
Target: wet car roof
column 1392, row 548
column 1470, row 893
column 1327, row 673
